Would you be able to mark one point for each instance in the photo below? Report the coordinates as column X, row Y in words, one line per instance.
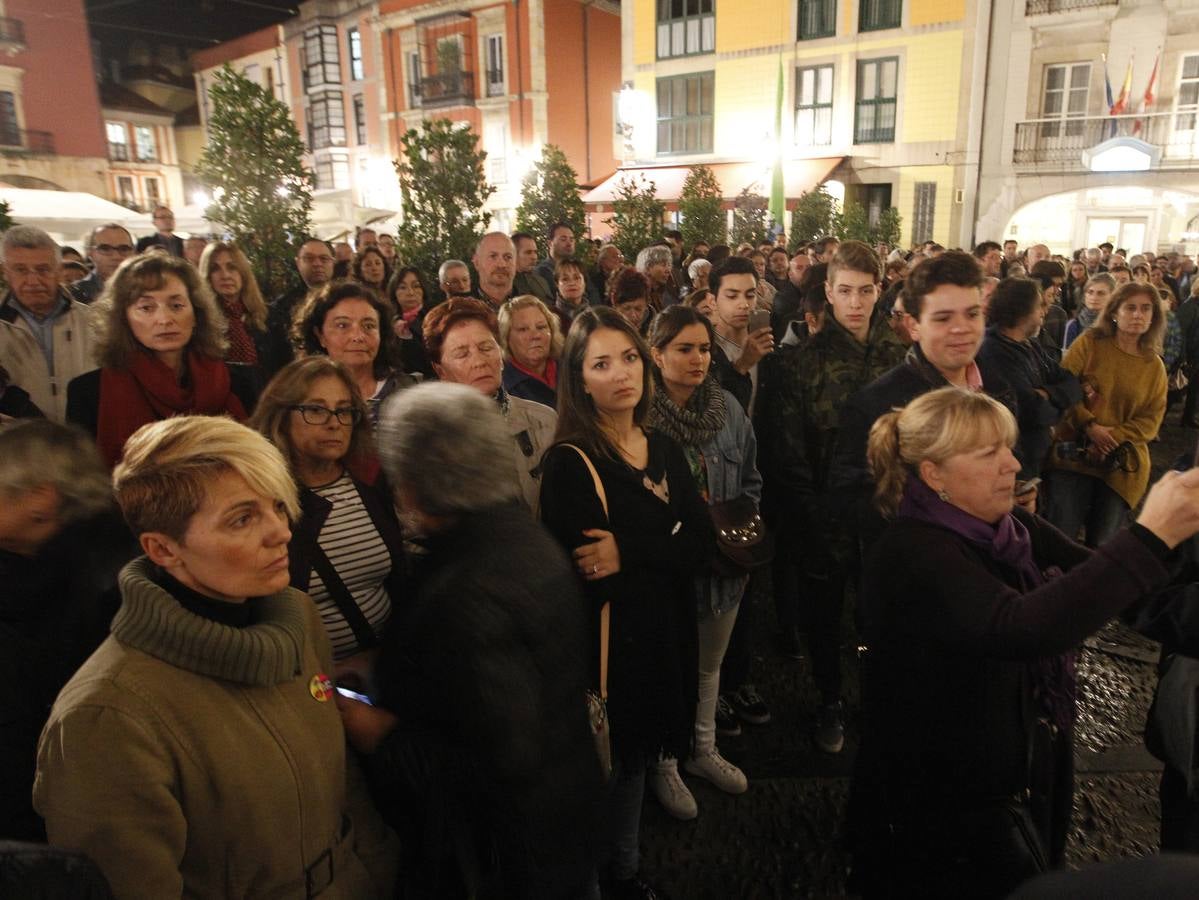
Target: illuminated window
column 814, row 106
column 685, row 27
column 685, row 113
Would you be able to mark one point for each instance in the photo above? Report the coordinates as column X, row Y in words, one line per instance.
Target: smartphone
column 758, row 319
column 354, row 695
column 1027, row 487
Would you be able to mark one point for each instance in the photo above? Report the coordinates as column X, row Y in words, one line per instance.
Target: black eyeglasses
column 115, row 248
column 319, row 415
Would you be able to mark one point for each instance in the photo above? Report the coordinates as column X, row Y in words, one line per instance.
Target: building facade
column 873, row 100
column 1057, row 166
column 143, row 160
column 51, row 129
column 519, row 74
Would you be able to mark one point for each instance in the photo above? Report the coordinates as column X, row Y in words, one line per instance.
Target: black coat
column 653, row 666
column 492, row 765
column 54, row 611
column 527, row 387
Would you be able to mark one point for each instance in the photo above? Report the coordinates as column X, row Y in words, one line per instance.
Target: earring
column 944, row 495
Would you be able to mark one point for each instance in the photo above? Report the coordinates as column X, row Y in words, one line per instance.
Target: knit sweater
column 1132, row 391
column 192, row 759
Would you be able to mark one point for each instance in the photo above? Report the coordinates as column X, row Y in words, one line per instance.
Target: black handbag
column 741, row 535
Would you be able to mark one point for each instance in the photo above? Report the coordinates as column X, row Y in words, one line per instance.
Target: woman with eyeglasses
column 345, row 550
column 347, row 322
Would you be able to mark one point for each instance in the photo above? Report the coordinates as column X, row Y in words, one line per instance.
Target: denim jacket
column 731, row 459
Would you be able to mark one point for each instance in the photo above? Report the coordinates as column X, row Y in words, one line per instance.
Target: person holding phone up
column 743, row 335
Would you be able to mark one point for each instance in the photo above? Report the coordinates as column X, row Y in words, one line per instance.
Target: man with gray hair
column 45, row 334
column 486, row 662
column 454, row 278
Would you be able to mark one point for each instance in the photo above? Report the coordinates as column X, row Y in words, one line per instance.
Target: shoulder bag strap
column 605, row 610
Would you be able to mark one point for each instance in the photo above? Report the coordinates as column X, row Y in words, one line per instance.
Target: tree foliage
column 443, row 189
column 636, row 218
column 549, row 193
column 750, row 218
column 6, row 219
column 253, row 163
column 852, row 223
column 701, row 205
column 812, row 218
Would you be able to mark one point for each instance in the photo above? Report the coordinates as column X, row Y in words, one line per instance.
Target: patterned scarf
column 696, row 423
column 241, row 345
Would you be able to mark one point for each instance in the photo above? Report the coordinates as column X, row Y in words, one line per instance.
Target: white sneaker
column 719, row 771
column 667, row 785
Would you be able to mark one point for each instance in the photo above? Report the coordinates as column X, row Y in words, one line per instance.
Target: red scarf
column 241, row 345
column 147, row 391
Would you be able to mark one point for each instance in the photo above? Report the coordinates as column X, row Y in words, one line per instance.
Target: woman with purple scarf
column 972, row 609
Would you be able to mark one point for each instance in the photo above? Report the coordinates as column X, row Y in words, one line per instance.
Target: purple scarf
column 1009, row 544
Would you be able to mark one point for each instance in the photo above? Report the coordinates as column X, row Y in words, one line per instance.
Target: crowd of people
column 415, row 584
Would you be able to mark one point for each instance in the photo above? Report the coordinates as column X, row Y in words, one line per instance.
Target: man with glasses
column 315, row 265
column 164, row 236
column 107, row 247
column 45, row 335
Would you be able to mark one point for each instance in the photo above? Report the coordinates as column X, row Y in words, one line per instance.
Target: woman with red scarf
column 161, row 351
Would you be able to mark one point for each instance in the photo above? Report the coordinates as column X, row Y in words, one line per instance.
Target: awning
column 334, row 215
column 799, row 175
column 69, row 215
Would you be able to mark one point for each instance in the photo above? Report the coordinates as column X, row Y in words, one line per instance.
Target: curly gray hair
column 653, row 255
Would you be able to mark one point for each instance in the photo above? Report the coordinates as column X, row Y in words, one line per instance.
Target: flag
column 1125, row 90
column 1110, row 129
column 1147, row 100
column 778, row 199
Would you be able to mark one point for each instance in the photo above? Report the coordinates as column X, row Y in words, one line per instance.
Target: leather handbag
column 741, row 535
column 597, row 701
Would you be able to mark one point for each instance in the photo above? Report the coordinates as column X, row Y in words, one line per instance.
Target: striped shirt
column 360, row 557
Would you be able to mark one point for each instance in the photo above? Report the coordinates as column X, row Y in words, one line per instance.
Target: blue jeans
column 619, row 855
column 1076, row 500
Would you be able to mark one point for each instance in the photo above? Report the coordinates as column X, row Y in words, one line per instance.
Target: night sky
column 191, row 23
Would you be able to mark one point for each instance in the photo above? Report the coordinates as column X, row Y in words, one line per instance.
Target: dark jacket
column 532, row 283
column 850, row 481
column 33, row 871
column 739, row 384
column 951, row 631
column 279, row 349
column 528, row 387
column 653, row 666
column 54, row 611
column 491, row 775
column 787, row 307
column 1026, row 368
column 172, row 243
column 87, row 289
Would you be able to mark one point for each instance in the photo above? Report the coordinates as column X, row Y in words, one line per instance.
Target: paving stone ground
column 783, row 838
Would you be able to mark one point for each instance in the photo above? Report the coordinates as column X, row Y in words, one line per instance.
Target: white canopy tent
column 68, row 216
column 334, row 215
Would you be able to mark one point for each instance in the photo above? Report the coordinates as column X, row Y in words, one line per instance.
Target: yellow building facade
column 880, row 88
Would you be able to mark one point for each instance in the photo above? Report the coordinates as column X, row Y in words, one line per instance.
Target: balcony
column 12, row 35
column 1043, row 7
column 22, row 140
column 118, row 152
column 449, row 89
column 1057, row 145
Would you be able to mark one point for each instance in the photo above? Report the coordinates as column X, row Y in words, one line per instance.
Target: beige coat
column 538, row 422
column 193, row 759
column 22, row 356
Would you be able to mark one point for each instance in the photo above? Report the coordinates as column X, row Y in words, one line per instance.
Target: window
column 125, row 191
column 685, row 113
column 874, row 113
column 320, row 56
column 814, row 106
column 925, row 210
column 332, row 173
column 817, row 19
column 875, row 198
column 355, row 41
column 685, row 27
column 1188, row 95
column 327, row 121
column 153, row 195
column 118, row 139
column 360, row 120
column 144, row 142
column 874, row 15
column 10, row 129
column 413, row 70
column 495, row 65
column 495, row 142
column 1066, row 90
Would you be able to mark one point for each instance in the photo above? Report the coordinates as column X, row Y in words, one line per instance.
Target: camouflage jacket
column 800, row 400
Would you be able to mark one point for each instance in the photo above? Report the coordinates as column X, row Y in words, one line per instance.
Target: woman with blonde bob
column 972, row 608
column 161, row 350
column 198, row 752
column 531, row 339
column 227, row 271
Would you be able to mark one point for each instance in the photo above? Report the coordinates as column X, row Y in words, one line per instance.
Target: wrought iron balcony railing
column 26, row 141
column 1058, row 144
column 448, row 89
column 1041, row 7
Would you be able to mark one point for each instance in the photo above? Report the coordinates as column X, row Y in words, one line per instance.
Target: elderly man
column 1035, row 254
column 495, row 261
column 314, row 262
column 164, row 236
column 107, row 247
column 45, row 335
column 608, row 260
column 454, row 279
column 528, row 281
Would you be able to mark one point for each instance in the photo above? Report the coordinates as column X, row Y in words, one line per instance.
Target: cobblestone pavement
column 783, row 837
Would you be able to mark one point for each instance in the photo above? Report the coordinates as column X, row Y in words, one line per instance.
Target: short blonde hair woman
column 208, row 714
column 531, row 338
column 970, row 608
